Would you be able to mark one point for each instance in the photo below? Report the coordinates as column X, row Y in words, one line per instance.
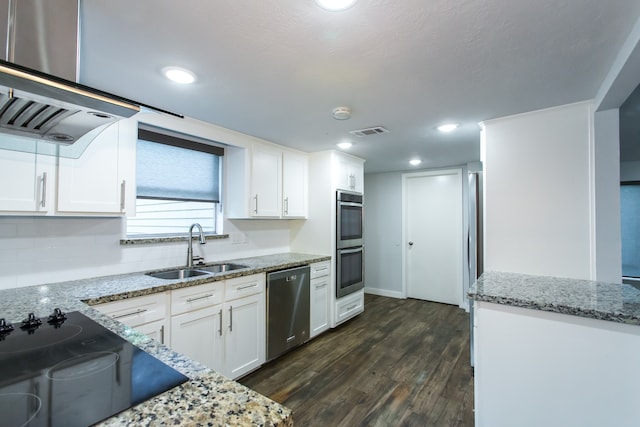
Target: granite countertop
column 208, row 398
column 584, row 298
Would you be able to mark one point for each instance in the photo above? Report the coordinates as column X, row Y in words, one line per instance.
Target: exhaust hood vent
column 25, row 117
column 369, row 131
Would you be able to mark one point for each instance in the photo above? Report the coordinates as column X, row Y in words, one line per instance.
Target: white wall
column 37, row 251
column 537, row 187
column 383, row 234
column 629, row 171
column 607, row 196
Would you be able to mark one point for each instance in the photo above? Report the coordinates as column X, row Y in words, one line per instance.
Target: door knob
column 410, row 243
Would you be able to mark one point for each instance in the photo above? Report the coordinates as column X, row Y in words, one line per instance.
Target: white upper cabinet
column 295, row 172
column 349, row 173
column 27, row 182
column 265, row 181
column 98, row 181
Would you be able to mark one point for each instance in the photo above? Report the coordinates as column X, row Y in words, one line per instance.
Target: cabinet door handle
column 322, row 285
column 253, row 285
column 352, row 181
column 123, row 192
column 230, row 319
column 255, row 209
column 162, row 334
column 220, row 328
column 286, row 206
column 139, row 311
column 43, row 202
column 199, row 298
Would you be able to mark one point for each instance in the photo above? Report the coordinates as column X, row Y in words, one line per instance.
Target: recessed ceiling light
column 415, row 162
column 335, row 5
column 179, row 75
column 344, row 145
column 447, row 127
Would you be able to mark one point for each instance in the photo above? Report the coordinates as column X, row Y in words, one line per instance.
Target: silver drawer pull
column 247, row 287
column 199, row 298
column 352, row 307
column 321, row 269
column 133, row 313
column 322, row 285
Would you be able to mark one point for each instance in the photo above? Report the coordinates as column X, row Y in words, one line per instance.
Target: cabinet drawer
column 319, row 269
column 349, row 307
column 243, row 286
column 195, row 297
column 137, row 311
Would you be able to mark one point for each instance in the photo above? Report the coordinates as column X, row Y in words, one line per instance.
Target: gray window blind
column 173, row 168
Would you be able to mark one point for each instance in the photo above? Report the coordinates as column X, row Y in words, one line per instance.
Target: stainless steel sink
column 219, row 268
column 181, row 273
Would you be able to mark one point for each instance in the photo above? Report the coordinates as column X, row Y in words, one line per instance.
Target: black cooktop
column 68, row 370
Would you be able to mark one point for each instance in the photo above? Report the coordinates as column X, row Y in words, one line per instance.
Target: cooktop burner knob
column 31, row 323
column 57, row 318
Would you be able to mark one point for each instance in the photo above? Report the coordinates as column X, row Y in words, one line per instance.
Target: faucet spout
column 201, row 240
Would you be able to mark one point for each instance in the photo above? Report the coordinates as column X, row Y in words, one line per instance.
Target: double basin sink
column 184, row 273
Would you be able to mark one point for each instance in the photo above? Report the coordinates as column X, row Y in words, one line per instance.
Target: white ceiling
column 276, row 68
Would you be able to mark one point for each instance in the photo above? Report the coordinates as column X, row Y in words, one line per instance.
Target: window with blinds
column 178, row 181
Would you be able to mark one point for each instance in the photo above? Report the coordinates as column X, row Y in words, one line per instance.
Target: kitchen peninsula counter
column 555, row 351
column 208, row 398
column 584, row 298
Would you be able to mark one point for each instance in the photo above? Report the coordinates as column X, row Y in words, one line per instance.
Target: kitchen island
column 555, row 351
column 208, row 398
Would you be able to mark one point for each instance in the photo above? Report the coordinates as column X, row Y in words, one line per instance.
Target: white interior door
column 433, row 235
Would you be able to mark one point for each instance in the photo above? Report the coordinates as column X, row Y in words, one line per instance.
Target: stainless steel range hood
column 61, row 115
column 36, row 105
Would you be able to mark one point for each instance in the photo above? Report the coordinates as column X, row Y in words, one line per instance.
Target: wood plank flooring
column 400, row 363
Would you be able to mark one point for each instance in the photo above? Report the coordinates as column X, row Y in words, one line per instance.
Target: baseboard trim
column 384, row 293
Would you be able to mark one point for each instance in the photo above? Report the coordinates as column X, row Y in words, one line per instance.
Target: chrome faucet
column 190, row 249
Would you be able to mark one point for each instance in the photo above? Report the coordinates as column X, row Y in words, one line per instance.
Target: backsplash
column 40, row 250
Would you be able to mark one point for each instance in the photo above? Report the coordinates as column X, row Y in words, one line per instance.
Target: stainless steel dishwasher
column 287, row 310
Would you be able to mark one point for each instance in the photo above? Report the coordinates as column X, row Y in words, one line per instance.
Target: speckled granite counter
column 208, row 399
column 584, row 298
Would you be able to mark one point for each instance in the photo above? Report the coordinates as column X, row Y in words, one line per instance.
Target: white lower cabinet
column 148, row 314
column 320, row 293
column 245, row 345
column 349, row 306
column 196, row 323
column 221, row 324
column 198, row 334
column 245, row 317
column 158, row 330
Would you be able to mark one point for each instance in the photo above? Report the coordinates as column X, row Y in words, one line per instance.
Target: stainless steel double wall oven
column 349, row 243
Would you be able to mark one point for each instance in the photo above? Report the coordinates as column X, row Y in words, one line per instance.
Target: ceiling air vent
column 369, row 131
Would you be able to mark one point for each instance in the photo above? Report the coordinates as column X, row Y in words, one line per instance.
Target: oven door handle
column 351, row 251
column 354, row 204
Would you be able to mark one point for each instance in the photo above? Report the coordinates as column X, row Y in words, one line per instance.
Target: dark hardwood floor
column 400, row 363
